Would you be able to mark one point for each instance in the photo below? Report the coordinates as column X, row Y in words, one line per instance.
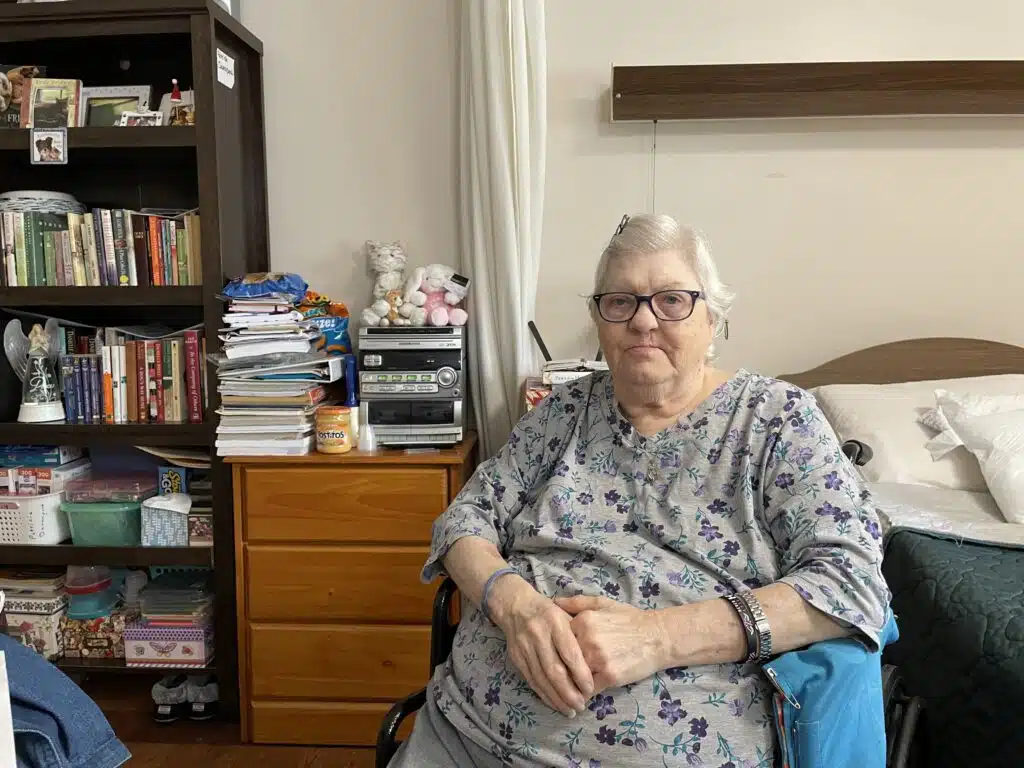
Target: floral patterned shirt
column 749, row 489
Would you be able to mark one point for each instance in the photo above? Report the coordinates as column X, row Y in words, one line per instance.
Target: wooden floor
column 187, row 744
column 226, row 756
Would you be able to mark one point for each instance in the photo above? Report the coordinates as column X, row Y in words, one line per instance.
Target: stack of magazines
column 268, row 404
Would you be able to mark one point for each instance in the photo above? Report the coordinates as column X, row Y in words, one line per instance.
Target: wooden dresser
column 333, row 622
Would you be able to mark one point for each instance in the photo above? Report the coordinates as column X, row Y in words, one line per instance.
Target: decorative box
column 101, row 638
column 35, row 621
column 168, row 647
column 200, row 530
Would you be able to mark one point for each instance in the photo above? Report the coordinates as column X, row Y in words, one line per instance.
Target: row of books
column 101, row 247
column 111, row 379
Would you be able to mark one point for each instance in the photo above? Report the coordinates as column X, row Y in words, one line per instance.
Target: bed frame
column 915, row 360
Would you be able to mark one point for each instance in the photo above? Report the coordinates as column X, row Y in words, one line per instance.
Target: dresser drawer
column 331, row 723
column 358, row 582
column 336, row 661
column 327, row 504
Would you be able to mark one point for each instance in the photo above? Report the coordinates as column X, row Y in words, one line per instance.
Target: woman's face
column 647, row 351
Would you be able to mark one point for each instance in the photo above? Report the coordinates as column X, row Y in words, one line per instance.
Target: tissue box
column 35, row 621
column 167, row 647
column 101, row 638
column 162, row 527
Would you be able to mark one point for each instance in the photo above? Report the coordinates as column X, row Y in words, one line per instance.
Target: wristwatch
column 761, row 627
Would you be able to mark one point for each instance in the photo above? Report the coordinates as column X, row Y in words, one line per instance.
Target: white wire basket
column 39, row 201
column 33, row 520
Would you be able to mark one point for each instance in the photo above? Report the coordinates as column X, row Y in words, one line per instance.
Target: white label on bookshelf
column 225, row 69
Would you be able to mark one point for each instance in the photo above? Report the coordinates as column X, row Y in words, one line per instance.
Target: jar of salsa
column 333, row 429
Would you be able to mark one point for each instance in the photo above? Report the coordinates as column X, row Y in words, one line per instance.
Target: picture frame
column 103, row 106
column 49, row 146
column 145, row 119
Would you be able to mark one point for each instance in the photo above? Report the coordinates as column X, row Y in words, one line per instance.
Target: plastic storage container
column 33, row 520
column 105, row 524
column 114, row 488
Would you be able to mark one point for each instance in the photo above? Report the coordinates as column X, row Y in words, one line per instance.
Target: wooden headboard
column 915, row 360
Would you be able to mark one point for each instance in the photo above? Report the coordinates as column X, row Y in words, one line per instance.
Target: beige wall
column 813, row 221
column 376, row 79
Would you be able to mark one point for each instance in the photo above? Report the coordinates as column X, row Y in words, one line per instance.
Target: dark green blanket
column 960, row 611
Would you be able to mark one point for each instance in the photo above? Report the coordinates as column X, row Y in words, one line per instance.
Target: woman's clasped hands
column 570, row 648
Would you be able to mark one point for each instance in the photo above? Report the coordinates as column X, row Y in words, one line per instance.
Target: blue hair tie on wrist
column 490, row 583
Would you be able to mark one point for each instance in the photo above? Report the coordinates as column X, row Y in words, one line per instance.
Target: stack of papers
column 257, row 327
column 564, row 371
column 177, row 599
column 268, row 403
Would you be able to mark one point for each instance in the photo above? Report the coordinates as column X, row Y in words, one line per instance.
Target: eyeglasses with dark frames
column 671, row 306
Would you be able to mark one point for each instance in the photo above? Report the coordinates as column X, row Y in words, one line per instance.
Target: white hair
column 649, row 233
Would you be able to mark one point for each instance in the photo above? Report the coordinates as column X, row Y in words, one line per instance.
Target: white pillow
column 885, row 417
column 996, row 438
column 974, row 405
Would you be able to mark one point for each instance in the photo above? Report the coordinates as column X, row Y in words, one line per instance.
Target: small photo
column 50, row 146
column 142, row 118
column 107, row 110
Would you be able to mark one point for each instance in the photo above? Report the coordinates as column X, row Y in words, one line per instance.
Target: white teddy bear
column 387, row 260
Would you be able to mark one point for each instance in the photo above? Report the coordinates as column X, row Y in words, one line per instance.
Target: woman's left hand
column 621, row 644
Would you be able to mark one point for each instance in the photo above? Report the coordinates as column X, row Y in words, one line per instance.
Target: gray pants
column 434, row 743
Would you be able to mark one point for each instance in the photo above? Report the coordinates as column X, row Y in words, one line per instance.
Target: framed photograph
column 49, row 146
column 136, row 119
column 104, row 106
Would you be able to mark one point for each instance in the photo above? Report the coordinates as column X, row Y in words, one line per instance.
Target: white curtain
column 502, row 130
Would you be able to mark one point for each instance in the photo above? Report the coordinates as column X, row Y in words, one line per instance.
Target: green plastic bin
column 105, row 524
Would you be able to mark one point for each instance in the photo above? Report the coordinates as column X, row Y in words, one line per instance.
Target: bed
column 954, row 565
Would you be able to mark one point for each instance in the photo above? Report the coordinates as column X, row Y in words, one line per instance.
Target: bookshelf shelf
column 118, row 667
column 103, row 296
column 132, row 557
column 16, row 433
column 15, row 139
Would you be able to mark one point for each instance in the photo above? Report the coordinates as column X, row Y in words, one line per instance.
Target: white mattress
column 963, row 515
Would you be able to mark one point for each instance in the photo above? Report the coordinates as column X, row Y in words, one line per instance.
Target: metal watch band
column 761, row 627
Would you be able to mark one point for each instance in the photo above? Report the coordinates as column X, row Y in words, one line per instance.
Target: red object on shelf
column 175, row 92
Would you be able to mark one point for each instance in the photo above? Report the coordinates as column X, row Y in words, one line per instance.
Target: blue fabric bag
column 828, row 709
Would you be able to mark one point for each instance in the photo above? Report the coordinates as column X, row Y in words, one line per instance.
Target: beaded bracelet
column 747, row 620
column 487, row 588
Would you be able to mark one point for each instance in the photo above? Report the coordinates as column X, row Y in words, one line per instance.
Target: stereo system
column 412, row 382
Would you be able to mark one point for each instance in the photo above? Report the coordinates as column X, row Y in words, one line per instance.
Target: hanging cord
column 654, row 169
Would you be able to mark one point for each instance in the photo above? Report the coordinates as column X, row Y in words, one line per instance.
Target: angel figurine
column 34, row 361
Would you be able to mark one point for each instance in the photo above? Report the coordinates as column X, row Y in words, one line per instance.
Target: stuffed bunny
column 428, row 300
column 387, row 260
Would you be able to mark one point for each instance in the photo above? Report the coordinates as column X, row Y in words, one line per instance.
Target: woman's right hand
column 541, row 644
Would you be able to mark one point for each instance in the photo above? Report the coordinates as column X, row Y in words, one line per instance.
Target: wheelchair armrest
column 387, row 744
column 442, row 631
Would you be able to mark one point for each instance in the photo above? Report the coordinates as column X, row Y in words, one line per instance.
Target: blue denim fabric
column 55, row 724
column 830, row 703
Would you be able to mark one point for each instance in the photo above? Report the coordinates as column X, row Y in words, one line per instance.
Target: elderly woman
column 643, row 540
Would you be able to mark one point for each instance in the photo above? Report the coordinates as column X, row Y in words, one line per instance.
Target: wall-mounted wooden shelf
column 825, row 89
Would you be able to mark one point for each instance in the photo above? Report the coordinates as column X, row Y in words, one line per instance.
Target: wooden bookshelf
column 218, row 166
column 129, row 557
